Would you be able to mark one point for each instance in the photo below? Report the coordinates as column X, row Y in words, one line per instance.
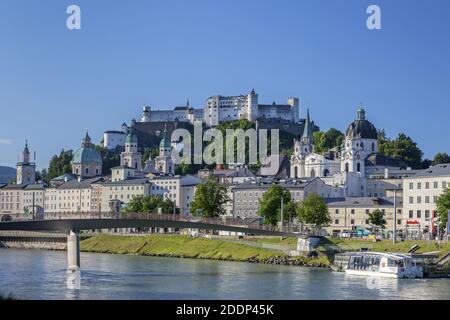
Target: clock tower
column 26, row 170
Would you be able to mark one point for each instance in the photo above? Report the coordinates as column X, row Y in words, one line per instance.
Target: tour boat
column 389, row 265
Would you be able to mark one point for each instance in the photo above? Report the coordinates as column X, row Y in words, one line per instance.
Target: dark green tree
column 270, row 204
column 209, row 200
column 441, row 158
column 60, row 165
column 110, row 158
column 313, row 210
column 376, row 219
column 403, row 148
column 324, row 141
column 443, row 206
column 150, row 204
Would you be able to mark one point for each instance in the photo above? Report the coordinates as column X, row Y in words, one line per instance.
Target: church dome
column 87, row 156
column 361, row 128
column 131, row 137
column 87, row 153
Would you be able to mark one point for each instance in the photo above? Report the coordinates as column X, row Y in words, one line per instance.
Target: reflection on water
column 42, row 275
column 73, row 280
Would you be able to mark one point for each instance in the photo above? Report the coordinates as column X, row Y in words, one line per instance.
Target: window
column 427, row 185
column 411, row 200
column 367, row 211
column 419, row 214
column 419, row 200
column 336, row 221
column 435, row 184
column 353, row 211
column 427, row 214
column 352, row 222
column 419, row 185
column 411, row 214
column 411, row 186
column 444, row 184
column 399, row 221
column 435, row 198
column 358, row 167
column 427, row 199
column 337, row 211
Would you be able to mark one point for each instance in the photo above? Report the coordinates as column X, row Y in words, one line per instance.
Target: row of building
column 353, row 179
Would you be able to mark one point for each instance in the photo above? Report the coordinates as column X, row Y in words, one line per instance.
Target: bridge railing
column 164, row 217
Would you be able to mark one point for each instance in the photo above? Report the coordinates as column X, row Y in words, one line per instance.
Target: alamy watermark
column 238, row 146
column 374, row 20
column 73, row 21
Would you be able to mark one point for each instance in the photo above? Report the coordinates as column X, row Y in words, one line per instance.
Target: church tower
column 26, row 170
column 131, row 157
column 302, row 148
column 253, row 106
column 360, row 142
column 164, row 163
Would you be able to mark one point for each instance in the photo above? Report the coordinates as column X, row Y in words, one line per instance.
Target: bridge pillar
column 73, row 252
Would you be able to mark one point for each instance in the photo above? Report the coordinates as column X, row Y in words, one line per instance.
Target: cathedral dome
column 361, row 128
column 87, row 153
column 87, row 156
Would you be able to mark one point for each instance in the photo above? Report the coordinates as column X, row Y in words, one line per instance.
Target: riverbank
column 194, row 248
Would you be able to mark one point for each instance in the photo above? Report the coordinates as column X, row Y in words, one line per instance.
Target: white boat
column 388, row 265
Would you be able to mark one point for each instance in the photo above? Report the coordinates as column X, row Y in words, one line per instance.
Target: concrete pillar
column 73, row 251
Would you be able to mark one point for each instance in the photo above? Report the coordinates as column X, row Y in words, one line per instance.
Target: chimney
column 386, row 173
column 79, row 178
column 66, row 179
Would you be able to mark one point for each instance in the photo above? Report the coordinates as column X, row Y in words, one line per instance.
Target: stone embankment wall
column 33, row 240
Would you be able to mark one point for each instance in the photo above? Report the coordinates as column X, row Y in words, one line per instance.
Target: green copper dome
column 87, row 153
column 87, row 156
column 165, row 143
column 131, row 137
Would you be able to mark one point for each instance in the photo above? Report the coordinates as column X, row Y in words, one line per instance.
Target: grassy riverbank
column 196, row 248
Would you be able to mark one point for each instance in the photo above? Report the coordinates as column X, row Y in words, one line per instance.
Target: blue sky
column 56, row 83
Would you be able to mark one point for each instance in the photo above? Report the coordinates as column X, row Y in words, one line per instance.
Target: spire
column 187, row 103
column 307, row 132
column 25, row 150
column 26, row 153
column 86, row 140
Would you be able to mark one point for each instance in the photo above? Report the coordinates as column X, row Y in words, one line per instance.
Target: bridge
column 72, row 224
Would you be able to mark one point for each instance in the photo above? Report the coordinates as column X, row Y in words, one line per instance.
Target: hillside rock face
column 7, row 174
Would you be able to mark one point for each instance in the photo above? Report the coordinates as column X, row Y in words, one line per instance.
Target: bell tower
column 26, row 170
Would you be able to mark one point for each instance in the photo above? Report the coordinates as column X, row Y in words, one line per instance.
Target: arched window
column 347, row 167
column 326, row 173
column 87, row 170
column 358, row 167
column 373, row 146
column 313, row 173
column 296, row 172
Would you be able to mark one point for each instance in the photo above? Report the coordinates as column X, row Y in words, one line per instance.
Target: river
column 35, row 274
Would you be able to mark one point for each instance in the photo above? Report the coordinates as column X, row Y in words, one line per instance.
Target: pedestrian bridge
column 72, row 224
